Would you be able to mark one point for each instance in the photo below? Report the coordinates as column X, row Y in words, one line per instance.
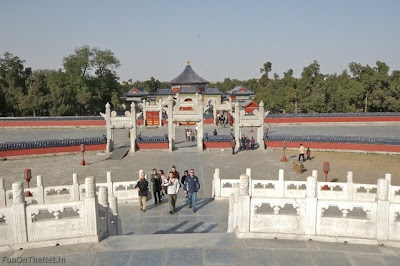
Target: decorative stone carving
column 113, row 114
column 383, row 189
column 311, row 187
column 18, row 192
column 236, row 191
column 349, row 177
column 90, row 186
column 103, row 196
column 244, row 185
column 113, row 205
column 127, row 113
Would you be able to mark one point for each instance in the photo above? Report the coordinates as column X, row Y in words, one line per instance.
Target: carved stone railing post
column 200, row 130
column 110, row 184
column 19, row 213
column 144, row 111
column 315, row 173
column 216, row 184
column 91, row 206
column 170, row 124
column 382, row 215
column 110, row 144
column 75, row 188
column 103, row 196
column 236, row 198
column 244, row 205
column 248, row 173
column 40, row 190
column 231, row 215
column 2, row 193
column 350, row 186
column 280, row 188
column 113, row 213
column 311, row 206
column 237, row 124
column 133, row 129
column 260, row 129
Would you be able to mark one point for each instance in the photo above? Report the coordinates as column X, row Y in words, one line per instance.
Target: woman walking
column 173, row 189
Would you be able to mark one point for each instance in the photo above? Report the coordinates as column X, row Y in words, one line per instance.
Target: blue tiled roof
column 212, row 91
column 135, row 92
column 163, row 92
column 188, row 76
column 236, row 91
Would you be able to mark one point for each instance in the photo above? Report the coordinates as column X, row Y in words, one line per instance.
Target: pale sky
column 221, row 39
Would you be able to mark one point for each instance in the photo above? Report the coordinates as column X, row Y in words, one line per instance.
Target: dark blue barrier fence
column 217, row 138
column 51, row 143
column 51, row 118
column 333, row 139
column 152, row 139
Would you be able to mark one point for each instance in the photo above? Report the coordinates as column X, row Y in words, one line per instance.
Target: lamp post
column 326, row 170
column 83, row 162
column 28, row 177
column 284, row 159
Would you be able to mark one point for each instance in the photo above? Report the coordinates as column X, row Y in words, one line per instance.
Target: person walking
column 215, row 132
column 187, row 135
column 233, row 145
column 301, row 152
column 173, row 186
column 162, row 176
column 143, row 187
column 185, row 174
column 308, row 153
column 156, row 184
column 176, row 173
column 252, row 143
column 191, row 187
column 243, row 141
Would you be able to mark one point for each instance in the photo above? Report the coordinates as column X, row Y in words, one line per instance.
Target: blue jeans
column 192, row 199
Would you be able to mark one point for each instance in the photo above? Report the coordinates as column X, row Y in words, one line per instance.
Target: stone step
column 174, row 241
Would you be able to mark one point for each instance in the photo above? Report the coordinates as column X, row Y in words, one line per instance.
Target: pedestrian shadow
column 204, row 202
column 174, row 229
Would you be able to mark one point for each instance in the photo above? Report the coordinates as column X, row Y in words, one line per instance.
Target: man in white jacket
column 173, row 186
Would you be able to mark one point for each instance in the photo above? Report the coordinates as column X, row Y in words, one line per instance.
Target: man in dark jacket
column 192, row 185
column 143, row 187
column 156, row 181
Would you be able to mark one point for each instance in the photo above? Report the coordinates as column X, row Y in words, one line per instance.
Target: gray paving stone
column 187, row 256
column 292, row 257
column 113, row 258
column 275, row 244
column 369, row 260
column 349, row 248
column 148, row 257
column 72, row 259
column 329, row 258
column 58, row 250
column 392, row 260
column 220, row 256
column 255, row 257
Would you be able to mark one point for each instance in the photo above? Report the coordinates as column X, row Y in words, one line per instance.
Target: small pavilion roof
column 240, row 90
column 136, row 92
column 188, row 77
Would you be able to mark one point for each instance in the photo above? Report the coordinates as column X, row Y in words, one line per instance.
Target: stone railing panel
column 227, row 186
column 265, row 188
column 295, row 189
column 364, row 192
column 343, row 224
column 58, row 227
column 277, row 220
column 6, row 226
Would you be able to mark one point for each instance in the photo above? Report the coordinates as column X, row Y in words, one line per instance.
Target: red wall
column 50, row 150
column 53, row 123
column 216, row 145
column 152, row 146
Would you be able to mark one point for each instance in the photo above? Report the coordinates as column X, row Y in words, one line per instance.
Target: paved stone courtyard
column 184, row 238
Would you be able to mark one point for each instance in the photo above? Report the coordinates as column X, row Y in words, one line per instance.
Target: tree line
column 88, row 80
column 364, row 89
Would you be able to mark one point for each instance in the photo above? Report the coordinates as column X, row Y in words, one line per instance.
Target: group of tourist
column 190, row 135
column 302, row 151
column 168, row 186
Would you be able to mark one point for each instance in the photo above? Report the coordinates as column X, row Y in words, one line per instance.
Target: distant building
column 185, row 86
column 240, row 94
